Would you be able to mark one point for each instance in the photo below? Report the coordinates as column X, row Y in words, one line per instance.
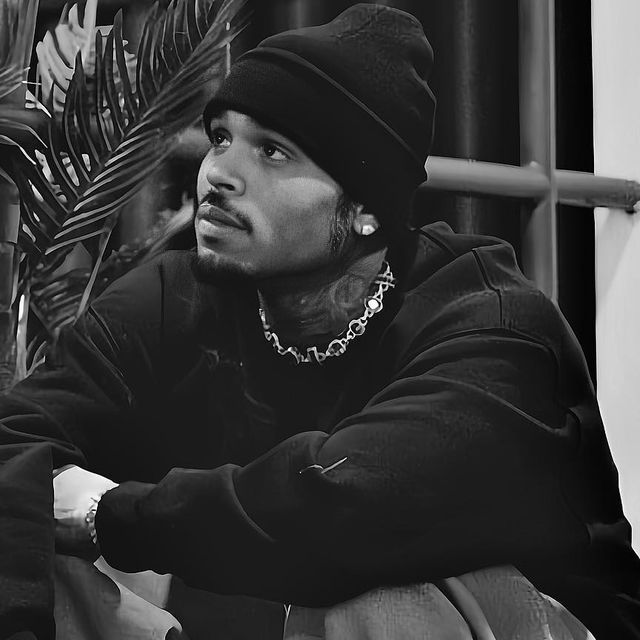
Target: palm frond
column 114, row 131
column 58, row 50
column 17, row 25
column 56, row 297
column 22, row 127
column 99, row 159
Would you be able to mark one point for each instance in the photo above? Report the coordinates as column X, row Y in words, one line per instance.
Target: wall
column 616, row 64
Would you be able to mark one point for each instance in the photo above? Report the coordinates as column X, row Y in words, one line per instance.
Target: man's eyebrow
column 220, row 118
column 266, row 131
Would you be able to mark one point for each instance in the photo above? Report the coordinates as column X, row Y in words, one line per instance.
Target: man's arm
column 101, row 366
column 70, row 399
column 453, row 466
column 41, row 416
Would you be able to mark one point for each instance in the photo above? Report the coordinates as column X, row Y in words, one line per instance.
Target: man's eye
column 273, row 153
column 219, row 138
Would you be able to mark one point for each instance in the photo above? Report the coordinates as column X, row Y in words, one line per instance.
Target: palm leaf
column 17, row 25
column 55, row 298
column 134, row 127
column 115, row 131
column 59, row 48
column 56, row 295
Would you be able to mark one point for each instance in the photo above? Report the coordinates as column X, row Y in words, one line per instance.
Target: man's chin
column 214, row 268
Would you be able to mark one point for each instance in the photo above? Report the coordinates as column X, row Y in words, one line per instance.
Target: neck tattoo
column 384, row 281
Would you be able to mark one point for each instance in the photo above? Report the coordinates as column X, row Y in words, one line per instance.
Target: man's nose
column 224, row 172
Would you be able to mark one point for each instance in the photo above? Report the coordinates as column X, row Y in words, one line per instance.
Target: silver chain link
column 372, row 305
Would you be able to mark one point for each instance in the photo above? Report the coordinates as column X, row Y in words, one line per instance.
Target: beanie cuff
column 295, row 58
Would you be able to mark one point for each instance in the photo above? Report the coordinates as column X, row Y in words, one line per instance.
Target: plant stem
column 9, row 224
column 104, row 239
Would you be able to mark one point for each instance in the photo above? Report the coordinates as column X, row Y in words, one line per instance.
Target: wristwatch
column 90, row 517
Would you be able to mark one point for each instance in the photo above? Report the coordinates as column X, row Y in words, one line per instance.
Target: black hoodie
column 460, row 431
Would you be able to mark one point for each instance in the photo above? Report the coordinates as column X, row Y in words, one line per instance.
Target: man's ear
column 365, row 224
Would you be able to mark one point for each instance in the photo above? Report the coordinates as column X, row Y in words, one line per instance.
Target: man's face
column 265, row 208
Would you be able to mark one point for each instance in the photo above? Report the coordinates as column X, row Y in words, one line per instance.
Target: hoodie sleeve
column 451, row 467
column 75, row 401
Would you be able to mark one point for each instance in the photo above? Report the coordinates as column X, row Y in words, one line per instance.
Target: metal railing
column 537, row 179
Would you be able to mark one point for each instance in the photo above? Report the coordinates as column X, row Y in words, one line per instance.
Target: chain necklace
column 385, row 280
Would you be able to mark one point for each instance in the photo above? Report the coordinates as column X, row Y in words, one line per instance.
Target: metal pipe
column 300, row 14
column 485, row 178
column 588, row 190
column 537, row 138
column 499, row 180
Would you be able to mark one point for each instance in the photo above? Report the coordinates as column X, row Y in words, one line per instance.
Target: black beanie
column 353, row 94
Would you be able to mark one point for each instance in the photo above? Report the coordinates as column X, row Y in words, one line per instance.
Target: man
column 321, row 401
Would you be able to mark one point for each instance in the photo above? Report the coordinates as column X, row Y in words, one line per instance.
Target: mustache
column 219, row 201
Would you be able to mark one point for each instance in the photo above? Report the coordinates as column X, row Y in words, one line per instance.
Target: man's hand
column 74, row 492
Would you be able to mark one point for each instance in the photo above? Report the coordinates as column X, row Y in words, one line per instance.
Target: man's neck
column 312, row 310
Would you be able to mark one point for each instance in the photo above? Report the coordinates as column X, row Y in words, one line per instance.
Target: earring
column 367, row 229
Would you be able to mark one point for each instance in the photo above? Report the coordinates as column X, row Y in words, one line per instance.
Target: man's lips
column 217, row 216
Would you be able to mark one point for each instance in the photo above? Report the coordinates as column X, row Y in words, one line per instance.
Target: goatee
column 213, row 269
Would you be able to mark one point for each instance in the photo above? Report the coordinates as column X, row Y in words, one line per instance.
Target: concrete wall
column 616, row 68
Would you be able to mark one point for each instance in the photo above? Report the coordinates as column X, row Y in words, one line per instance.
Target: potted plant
column 75, row 151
